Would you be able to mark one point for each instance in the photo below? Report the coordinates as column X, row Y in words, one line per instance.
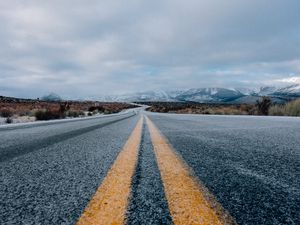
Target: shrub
column 48, row 115
column 293, row 108
column 92, row 108
column 63, row 108
column 277, row 110
column 96, row 108
column 264, row 105
column 110, row 111
column 8, row 120
column 24, row 113
column 289, row 109
column 6, row 113
column 72, row 113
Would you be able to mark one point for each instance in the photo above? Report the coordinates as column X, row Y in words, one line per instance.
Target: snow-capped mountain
column 246, row 91
column 209, row 95
column 196, row 95
column 292, row 91
column 146, row 96
column 267, row 90
column 214, row 95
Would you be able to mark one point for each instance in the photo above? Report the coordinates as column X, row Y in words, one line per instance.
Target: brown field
column 14, row 108
column 202, row 108
column 263, row 107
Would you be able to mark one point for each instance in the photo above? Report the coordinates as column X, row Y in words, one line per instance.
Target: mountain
column 14, row 100
column 201, row 95
column 52, row 97
column 195, row 95
column 266, row 90
column 148, row 96
column 246, row 91
column 215, row 95
column 290, row 91
column 209, row 95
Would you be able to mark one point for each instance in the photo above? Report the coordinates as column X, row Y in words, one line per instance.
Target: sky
column 91, row 48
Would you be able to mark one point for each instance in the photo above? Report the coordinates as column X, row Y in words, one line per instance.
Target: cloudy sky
column 89, row 48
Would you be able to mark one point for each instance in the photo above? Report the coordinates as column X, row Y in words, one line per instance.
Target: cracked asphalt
column 49, row 172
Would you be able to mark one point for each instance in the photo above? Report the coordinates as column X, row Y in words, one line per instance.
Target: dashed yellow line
column 186, row 198
column 109, row 204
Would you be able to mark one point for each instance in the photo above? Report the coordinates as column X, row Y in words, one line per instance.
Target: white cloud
column 100, row 47
column 292, row 80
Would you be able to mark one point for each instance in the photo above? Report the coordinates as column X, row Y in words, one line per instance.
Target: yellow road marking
column 109, row 204
column 186, row 197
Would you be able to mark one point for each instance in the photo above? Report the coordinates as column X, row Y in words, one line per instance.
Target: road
column 150, row 168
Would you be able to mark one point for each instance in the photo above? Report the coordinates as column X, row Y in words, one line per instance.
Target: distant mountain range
column 201, row 95
column 213, row 95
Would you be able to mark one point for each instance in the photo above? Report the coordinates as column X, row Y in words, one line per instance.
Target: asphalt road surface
column 247, row 168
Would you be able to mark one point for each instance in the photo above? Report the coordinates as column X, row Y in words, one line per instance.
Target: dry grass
column 290, row 109
column 200, row 108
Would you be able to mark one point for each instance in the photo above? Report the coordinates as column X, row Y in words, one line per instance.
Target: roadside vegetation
column 262, row 107
column 201, row 108
column 13, row 109
column 289, row 109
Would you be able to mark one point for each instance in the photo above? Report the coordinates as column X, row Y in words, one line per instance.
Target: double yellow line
column 187, row 198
